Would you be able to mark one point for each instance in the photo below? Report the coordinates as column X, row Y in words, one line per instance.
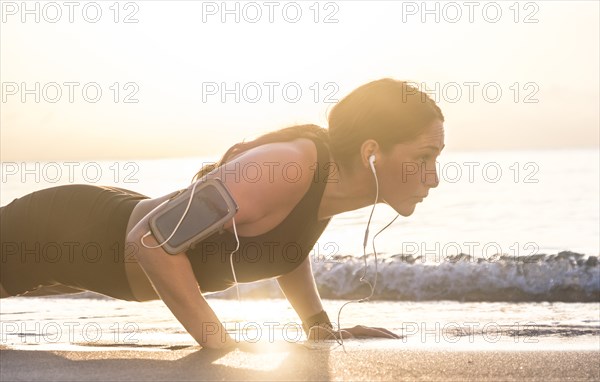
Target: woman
column 287, row 184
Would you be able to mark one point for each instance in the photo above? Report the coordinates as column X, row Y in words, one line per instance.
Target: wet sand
column 118, row 340
column 286, row 361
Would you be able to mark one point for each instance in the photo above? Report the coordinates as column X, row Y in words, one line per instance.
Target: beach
column 294, row 362
column 93, row 338
column 474, row 235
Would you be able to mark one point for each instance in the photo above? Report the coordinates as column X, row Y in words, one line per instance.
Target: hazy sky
column 506, row 74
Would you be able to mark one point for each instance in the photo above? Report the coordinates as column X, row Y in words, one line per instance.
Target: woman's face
column 409, row 170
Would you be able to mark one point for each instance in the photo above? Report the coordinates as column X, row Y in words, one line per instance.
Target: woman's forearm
column 300, row 289
column 174, row 281
column 198, row 319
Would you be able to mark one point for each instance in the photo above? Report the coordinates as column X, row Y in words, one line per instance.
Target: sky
column 156, row 79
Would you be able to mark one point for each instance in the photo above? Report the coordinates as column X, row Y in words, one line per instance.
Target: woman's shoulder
column 306, row 146
column 298, row 150
column 269, row 179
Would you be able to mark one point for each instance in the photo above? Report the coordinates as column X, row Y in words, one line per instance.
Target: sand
column 384, row 360
column 36, row 345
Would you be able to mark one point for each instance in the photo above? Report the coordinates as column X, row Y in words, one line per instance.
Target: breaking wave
column 566, row 276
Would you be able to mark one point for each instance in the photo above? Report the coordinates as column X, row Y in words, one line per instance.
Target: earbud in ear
column 372, row 162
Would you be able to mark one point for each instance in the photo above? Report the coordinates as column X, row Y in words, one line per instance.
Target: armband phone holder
column 180, row 223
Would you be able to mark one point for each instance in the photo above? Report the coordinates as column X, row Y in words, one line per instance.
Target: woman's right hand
column 226, row 343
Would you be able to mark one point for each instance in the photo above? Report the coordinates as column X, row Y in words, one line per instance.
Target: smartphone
column 211, row 207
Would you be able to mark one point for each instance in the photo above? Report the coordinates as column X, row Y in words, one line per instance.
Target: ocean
column 509, row 239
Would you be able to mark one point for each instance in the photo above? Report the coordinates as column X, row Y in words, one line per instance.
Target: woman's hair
column 386, row 110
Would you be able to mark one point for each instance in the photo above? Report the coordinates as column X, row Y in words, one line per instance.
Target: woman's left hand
column 360, row 331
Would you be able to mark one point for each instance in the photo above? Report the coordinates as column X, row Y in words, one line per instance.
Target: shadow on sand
column 285, row 361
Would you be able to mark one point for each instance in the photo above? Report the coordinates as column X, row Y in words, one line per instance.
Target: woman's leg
column 66, row 235
column 44, row 291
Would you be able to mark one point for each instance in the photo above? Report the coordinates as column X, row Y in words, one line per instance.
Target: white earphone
column 362, row 278
column 372, row 163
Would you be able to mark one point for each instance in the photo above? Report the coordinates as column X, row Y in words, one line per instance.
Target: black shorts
column 72, row 235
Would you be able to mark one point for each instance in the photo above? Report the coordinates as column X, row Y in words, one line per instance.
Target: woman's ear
column 369, row 150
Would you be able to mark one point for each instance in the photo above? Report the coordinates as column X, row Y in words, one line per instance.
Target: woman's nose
column 430, row 175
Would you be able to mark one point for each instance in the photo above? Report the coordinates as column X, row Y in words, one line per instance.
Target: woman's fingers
column 366, row 331
column 386, row 333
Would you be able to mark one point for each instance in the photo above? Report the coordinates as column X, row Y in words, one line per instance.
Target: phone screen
column 207, row 207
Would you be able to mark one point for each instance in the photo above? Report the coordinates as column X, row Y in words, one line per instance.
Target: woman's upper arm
column 267, row 179
column 262, row 181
